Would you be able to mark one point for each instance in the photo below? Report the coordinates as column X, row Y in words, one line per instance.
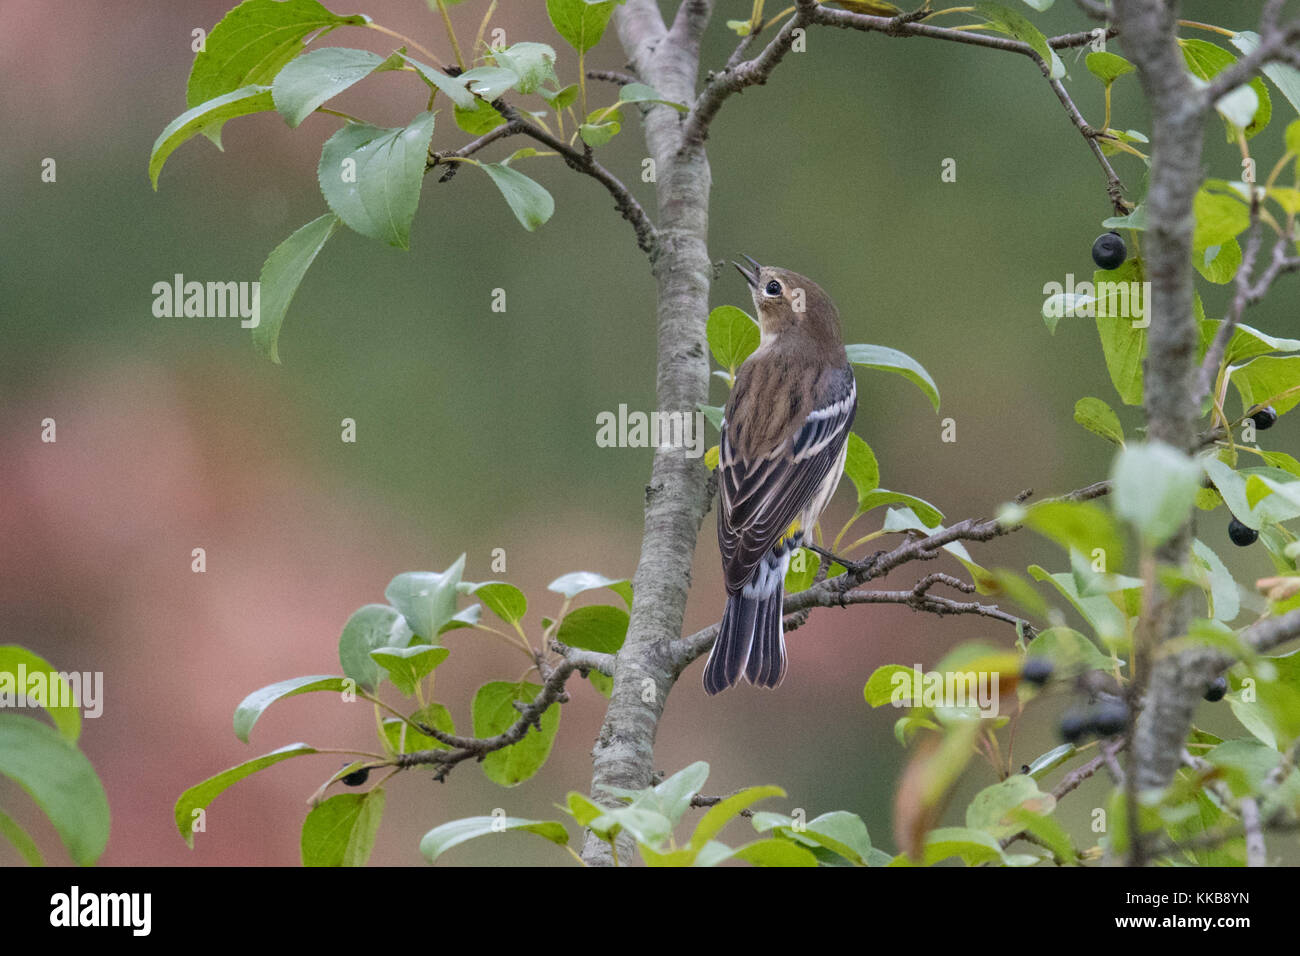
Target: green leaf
column 1048, row 831
column 562, row 98
column 774, row 853
column 282, row 274
column 1120, row 303
column 580, row 22
column 371, row 177
column 1154, row 489
column 201, row 794
column 1224, row 601
column 901, row 519
column 714, row 414
column 453, row 86
column 427, row 599
column 481, row 118
column 21, row 840
column 640, row 93
column 673, row 796
column 341, row 831
column 652, row 812
column 1283, row 75
column 599, row 627
column 883, row 687
column 733, row 336
column 494, row 713
column 892, row 360
column 972, row 847
column 431, row 715
column 1219, row 218
column 928, row 513
column 1245, row 764
column 1239, row 106
column 1081, row 525
column 1099, row 418
column 532, row 63
column 60, row 780
column 407, row 666
column 1014, row 24
column 842, row 833
column 1098, row 610
column 207, row 116
column 489, row 82
column 576, row 582
column 441, row 839
column 1047, row 762
column 1206, row 60
column 1261, row 380
column 252, row 706
column 601, row 126
column 17, row 666
column 469, row 617
column 253, row 41
column 1069, row 651
column 315, row 77
column 1137, row 219
column 1247, row 342
column 531, row 204
column 1218, row 264
column 1107, row 67
column 504, row 600
column 802, row 571
column 861, row 467
column 720, row 814
column 375, row 625
column 991, row 809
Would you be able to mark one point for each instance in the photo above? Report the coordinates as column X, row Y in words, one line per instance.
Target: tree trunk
column 678, row 494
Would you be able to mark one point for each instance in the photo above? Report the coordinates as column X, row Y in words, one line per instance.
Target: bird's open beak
column 750, row 274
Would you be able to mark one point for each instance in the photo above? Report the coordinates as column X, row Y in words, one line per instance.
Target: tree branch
column 840, row 590
column 584, row 162
column 1274, row 44
column 738, row 75
column 463, row 748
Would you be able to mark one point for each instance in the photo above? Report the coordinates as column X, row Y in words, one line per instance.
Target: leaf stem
column 423, row 50
column 451, row 34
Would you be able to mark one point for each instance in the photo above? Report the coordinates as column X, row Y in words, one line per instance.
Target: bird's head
column 787, row 301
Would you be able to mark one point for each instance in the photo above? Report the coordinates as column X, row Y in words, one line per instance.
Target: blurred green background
column 476, row 429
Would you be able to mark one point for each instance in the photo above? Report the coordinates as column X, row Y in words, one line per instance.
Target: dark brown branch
column 840, row 591
column 700, row 800
column 463, row 748
column 584, row 162
column 1275, row 43
column 612, row 76
column 739, row 74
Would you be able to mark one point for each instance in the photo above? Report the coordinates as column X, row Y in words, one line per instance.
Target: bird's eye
column 773, row 288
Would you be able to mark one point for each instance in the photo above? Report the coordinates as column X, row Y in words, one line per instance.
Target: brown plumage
column 781, row 456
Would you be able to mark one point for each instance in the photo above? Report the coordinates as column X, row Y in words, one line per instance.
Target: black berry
column 1073, row 726
column 1241, row 535
column 1109, row 251
column 357, row 778
column 1036, row 670
column 1215, row 691
column 1109, row 718
column 1265, row 418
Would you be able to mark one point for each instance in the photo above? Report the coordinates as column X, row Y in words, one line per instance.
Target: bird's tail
column 751, row 638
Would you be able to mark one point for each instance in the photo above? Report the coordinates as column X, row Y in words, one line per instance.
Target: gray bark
column 677, row 496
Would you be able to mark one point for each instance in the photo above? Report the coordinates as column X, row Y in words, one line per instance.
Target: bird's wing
column 761, row 496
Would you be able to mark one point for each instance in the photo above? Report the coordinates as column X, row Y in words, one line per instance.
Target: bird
column 780, row 458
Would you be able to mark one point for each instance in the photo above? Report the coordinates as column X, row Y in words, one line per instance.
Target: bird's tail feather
column 751, row 637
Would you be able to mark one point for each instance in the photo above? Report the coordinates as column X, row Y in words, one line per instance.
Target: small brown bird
column 784, row 438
